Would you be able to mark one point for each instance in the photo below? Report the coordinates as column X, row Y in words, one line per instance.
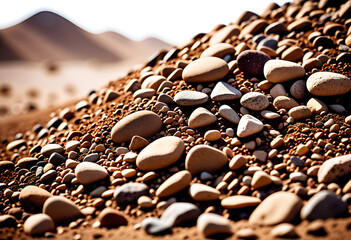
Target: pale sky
column 174, row 21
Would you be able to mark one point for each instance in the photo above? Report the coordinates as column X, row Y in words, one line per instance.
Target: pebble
column 218, row 50
column 161, row 153
column 190, row 98
column 248, row 126
column 316, row 106
column 144, row 93
column 16, row 144
column 260, row 179
column 279, row 71
column 72, row 145
column 334, row 169
column 210, row 224
column 33, row 197
column 56, row 159
column 276, row 27
column 272, row 212
column 143, row 123
column 293, row 53
column 298, row 176
column 201, row 117
column 212, row 135
column 48, row 174
column 223, row 92
column 228, row 113
column 237, row 162
column 337, row 108
column 27, row 162
column 88, row 172
column 252, row 61
column 323, row 205
column 328, row 84
column 237, row 202
column 174, row 184
column 110, row 95
column 254, row 101
column 145, row 202
column 49, row 149
column 130, row 192
column 278, row 90
column 153, row 82
column 6, row 165
column 283, row 102
column 180, row 213
column 138, row 142
column 300, row 112
column 61, row 209
column 285, row 230
column 225, row 33
column 203, row 158
column 111, row 218
column 269, row 114
column 201, row 192
column 38, row 224
column 246, row 233
column 297, row 161
column 8, row 221
column 205, row 69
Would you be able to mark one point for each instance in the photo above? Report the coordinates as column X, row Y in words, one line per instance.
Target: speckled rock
column 300, row 112
column 254, row 101
column 328, row 84
column 284, row 102
column 298, row 89
column 334, row 169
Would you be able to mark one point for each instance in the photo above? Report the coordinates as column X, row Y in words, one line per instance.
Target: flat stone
column 252, row 62
column 323, row 205
column 61, row 210
column 223, row 92
column 260, row 179
column 160, row 154
column 254, row 101
column 130, row 192
column 174, row 184
column 201, row 117
column 248, row 126
column 49, row 149
column 38, row 224
column 201, row 192
column 271, row 211
column 48, row 175
column 218, row 50
column 238, row 201
column 269, row 114
column 33, row 198
column 88, row 172
column 210, row 224
column 228, row 113
column 92, row 157
column 16, row 144
column 279, row 71
column 205, row 69
column 300, row 112
column 328, row 84
column 284, row 230
column 111, row 218
column 190, row 98
column 144, row 93
column 27, row 162
column 293, row 53
column 276, row 27
column 72, row 145
column 283, row 102
column 334, row 169
column 153, row 82
column 225, row 33
column 143, row 123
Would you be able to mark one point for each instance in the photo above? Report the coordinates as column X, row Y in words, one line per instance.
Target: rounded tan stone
column 160, row 153
column 212, row 135
column 202, row 158
column 237, row 162
column 61, row 210
column 235, row 202
column 33, row 197
column 225, row 33
column 278, row 71
column 311, row 63
column 283, row 102
column 201, row 117
column 111, row 218
column 174, row 184
column 38, row 224
column 210, row 224
column 260, row 179
column 153, row 82
column 300, row 112
column 334, row 169
column 293, row 53
column 143, row 123
column 89, row 172
column 205, row 69
column 328, row 84
column 201, row 192
column 218, row 50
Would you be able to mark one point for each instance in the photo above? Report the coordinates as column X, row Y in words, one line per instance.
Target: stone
column 272, row 212
column 16, row 144
column 154, row 226
column 61, row 209
column 284, row 230
column 27, row 162
column 293, row 53
column 201, row 192
column 269, row 114
column 323, row 205
column 205, row 69
column 228, row 113
column 252, row 62
column 38, row 224
column 88, row 172
column 111, row 218
column 337, row 108
column 143, row 123
column 224, row 91
column 278, row 90
column 238, row 201
column 260, row 179
column 334, row 169
column 190, row 98
column 110, row 95
column 248, row 126
column 224, row 33
column 279, row 71
column 153, row 82
column 49, row 149
column 160, row 154
column 203, row 158
column 201, row 117
column 237, row 162
column 311, row 63
column 212, row 135
column 246, row 233
column 316, row 106
column 323, row 41
column 300, row 112
column 6, row 165
column 130, row 192
column 254, row 101
column 174, row 184
column 283, row 102
column 144, row 93
column 33, row 198
column 328, row 84
column 48, row 175
column 138, row 142
column 72, row 145
column 93, row 157
column 56, row 159
column 276, row 27
column 180, row 213
column 218, row 50
column 81, row 105
column 210, row 224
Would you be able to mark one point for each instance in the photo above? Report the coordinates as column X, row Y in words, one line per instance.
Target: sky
column 173, row 21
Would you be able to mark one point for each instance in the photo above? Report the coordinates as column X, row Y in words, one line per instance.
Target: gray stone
column 190, row 98
column 180, row 213
column 56, row 159
column 223, row 91
column 93, row 157
column 130, row 192
column 228, row 113
column 254, row 101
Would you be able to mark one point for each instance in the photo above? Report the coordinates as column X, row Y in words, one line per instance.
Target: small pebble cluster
column 247, row 122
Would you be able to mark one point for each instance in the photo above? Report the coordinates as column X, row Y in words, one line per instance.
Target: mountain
column 47, row 35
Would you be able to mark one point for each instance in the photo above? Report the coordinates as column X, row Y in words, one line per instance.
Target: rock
column 248, row 126
column 269, row 114
column 293, row 53
column 202, row 158
column 237, row 202
column 201, row 192
column 278, row 90
column 174, row 184
column 212, row 135
column 237, row 162
column 218, row 50
column 284, row 230
column 260, row 179
column 130, row 192
column 254, row 101
column 6, row 165
column 138, row 142
column 300, row 112
column 283, row 102
column 268, row 43
column 160, row 154
column 145, row 202
column 111, row 218
column 92, row 157
column 323, row 41
column 205, row 69
column 144, row 93
column 72, row 145
column 223, row 91
column 190, row 98
column 201, row 117
column 272, row 212
column 153, row 82
column 49, row 149
column 16, row 144
column 88, row 172
column 154, row 226
column 61, row 210
column 56, row 159
column 246, row 233
column 180, row 213
column 328, row 84
column 228, row 113
column 279, row 71
column 110, row 95
column 39, row 224
column 334, row 169
column 311, row 63
column 316, row 106
column 252, row 62
column 323, row 205
column 276, row 27
column 210, row 224
column 225, row 33
column 8, row 221
column 33, row 197
column 337, row 108
column 143, row 123
column 27, row 162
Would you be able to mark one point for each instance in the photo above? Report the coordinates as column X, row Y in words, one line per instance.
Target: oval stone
column 328, row 84
column 235, row 202
column 252, row 61
column 49, row 149
column 210, row 224
column 218, row 50
column 201, row 117
column 255, row 101
column 190, row 98
column 202, row 192
column 174, row 184
column 33, row 196
column 278, row 71
column 143, row 123
column 89, row 172
column 334, row 169
column 39, row 224
column 160, row 153
column 300, row 112
column 61, row 210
